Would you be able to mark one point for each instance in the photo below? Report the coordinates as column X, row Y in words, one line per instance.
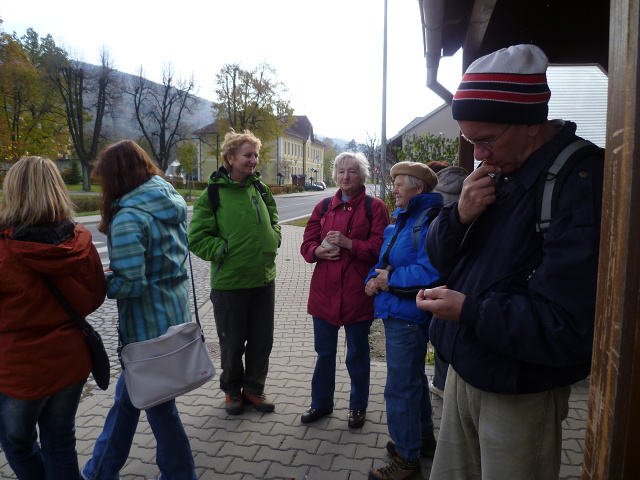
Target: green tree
column 28, row 112
column 73, row 174
column 160, row 110
column 188, row 157
column 252, row 100
column 331, row 151
column 352, row 146
column 427, row 148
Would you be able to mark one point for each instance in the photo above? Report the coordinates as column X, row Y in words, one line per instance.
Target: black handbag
column 99, row 358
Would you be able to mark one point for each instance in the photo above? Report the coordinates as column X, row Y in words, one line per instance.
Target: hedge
column 86, row 203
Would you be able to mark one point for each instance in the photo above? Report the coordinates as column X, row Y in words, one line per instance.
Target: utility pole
column 383, row 141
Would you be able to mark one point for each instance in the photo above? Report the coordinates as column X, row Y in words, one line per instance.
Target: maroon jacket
column 336, row 293
column 41, row 350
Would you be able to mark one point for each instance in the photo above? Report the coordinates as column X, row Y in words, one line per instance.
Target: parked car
column 322, row 184
column 313, row 186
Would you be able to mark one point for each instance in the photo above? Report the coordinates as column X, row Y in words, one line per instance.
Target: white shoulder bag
column 158, row 370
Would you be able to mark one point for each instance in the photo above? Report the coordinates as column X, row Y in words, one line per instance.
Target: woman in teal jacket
column 146, row 223
column 235, row 227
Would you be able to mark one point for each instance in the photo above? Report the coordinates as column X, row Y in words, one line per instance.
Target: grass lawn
column 299, row 223
column 78, row 188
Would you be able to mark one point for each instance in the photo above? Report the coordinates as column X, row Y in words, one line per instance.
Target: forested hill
column 120, row 122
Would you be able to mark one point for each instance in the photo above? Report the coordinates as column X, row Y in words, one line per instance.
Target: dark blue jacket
column 527, row 322
column 411, row 269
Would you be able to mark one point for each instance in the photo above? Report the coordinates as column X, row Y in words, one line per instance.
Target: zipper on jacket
column 255, row 204
column 222, row 254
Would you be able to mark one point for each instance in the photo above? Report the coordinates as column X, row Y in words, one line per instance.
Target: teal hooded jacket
column 148, row 260
column 241, row 239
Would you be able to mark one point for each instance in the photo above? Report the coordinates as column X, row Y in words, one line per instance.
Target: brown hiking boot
column 259, row 401
column 398, row 469
column 233, row 404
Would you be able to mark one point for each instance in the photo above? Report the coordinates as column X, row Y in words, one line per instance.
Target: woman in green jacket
column 235, row 227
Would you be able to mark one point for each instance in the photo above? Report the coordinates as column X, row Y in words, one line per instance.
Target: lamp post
column 383, row 140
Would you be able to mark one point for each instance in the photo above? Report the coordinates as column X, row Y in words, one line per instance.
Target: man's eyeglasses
column 488, row 145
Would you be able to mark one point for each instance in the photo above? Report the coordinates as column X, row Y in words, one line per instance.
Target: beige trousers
column 492, row 436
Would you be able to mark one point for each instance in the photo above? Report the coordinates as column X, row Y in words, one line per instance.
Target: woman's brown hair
column 121, row 168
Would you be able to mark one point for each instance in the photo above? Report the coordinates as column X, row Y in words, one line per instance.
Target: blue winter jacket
column 410, row 270
column 527, row 322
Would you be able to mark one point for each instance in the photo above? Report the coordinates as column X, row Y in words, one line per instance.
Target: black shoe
column 427, row 448
column 356, row 418
column 314, row 414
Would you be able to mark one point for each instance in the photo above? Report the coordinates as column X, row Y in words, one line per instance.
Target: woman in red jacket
column 343, row 236
column 44, row 358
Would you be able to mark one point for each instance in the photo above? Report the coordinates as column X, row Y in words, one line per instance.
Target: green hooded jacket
column 241, row 240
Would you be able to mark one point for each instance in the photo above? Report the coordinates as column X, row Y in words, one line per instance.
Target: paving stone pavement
column 276, row 446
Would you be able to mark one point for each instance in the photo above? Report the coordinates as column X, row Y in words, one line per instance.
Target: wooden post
column 612, row 443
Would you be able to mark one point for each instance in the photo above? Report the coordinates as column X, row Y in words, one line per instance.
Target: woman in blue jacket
column 395, row 280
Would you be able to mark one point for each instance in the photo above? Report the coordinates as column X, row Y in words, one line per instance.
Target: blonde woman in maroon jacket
column 344, row 241
column 44, row 359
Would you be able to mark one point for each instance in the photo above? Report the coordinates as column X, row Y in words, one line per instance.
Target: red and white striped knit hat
column 507, row 86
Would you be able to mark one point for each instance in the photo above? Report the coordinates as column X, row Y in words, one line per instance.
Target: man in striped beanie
column 516, row 318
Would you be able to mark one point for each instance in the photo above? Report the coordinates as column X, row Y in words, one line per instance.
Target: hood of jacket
column 52, row 248
column 157, row 198
column 221, row 177
column 450, row 181
column 420, row 202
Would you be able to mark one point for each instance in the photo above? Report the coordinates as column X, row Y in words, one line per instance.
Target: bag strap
column 368, row 201
column 195, row 308
column 77, row 319
column 430, row 213
column 551, row 180
column 195, row 302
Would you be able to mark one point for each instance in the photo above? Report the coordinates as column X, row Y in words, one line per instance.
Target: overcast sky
column 328, row 54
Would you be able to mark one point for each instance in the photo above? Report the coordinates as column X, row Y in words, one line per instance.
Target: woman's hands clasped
column 337, row 239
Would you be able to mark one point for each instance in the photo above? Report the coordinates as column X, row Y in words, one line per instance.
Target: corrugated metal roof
column 579, row 94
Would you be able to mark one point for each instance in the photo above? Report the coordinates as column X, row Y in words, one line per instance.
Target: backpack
column 214, row 193
column 430, row 213
column 368, row 200
column 552, row 179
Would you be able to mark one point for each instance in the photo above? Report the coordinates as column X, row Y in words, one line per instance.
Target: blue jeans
column 406, row 393
column 173, row 452
column 56, row 457
column 323, row 384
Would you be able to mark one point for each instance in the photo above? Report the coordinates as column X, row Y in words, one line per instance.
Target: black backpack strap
column 430, row 213
column 260, row 187
column 214, row 196
column 325, row 206
column 368, row 200
column 552, row 179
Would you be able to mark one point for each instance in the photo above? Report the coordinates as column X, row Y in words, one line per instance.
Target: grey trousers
column 493, row 436
column 244, row 321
